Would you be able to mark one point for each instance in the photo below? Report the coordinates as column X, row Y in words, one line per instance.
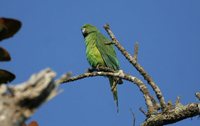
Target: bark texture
column 18, row 103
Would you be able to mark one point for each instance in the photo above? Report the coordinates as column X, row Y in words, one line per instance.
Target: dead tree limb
column 66, row 78
column 169, row 113
column 18, row 103
column 139, row 68
column 176, row 114
column 173, row 114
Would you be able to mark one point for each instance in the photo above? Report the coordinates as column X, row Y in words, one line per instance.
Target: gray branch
column 19, row 102
column 169, row 113
column 67, row 78
column 176, row 114
column 139, row 68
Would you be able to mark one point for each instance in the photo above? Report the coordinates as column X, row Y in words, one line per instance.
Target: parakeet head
column 87, row 29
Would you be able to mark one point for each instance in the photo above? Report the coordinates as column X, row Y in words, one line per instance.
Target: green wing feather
column 107, row 51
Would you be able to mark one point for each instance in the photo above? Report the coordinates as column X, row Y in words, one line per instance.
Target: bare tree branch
column 136, row 48
column 140, row 69
column 119, row 74
column 179, row 113
column 19, row 102
column 169, row 114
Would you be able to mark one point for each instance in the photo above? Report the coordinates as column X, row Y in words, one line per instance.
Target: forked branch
column 170, row 113
column 66, row 78
column 176, row 114
column 140, row 69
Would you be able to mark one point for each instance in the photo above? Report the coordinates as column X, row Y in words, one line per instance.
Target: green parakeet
column 101, row 54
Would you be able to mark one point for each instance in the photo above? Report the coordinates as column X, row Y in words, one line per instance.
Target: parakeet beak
column 84, row 32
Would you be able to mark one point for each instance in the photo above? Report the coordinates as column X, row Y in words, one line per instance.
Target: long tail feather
column 114, row 91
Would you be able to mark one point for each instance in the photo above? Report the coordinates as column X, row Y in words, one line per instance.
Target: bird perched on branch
column 100, row 53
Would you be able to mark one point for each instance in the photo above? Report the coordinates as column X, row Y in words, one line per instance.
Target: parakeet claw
column 89, row 70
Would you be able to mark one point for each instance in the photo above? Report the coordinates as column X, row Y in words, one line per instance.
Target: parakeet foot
column 89, row 70
column 105, row 69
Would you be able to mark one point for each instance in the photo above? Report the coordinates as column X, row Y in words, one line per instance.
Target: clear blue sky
column 168, row 33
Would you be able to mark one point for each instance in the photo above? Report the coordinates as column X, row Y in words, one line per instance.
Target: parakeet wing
column 107, row 52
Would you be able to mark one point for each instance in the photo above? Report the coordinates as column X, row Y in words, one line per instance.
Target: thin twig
column 142, row 110
column 119, row 74
column 156, row 105
column 197, row 94
column 136, row 48
column 140, row 69
column 133, row 115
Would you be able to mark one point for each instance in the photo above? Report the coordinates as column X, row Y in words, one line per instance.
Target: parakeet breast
column 94, row 57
